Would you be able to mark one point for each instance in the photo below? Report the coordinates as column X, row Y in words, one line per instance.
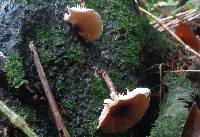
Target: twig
column 179, row 18
column 16, row 120
column 172, row 23
column 54, row 108
column 177, row 15
column 162, row 10
column 170, row 32
column 102, row 73
column 161, row 81
column 178, row 71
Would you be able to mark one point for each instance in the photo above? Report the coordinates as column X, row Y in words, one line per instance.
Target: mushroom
column 88, row 21
column 122, row 111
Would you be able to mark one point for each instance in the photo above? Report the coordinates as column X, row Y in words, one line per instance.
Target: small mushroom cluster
column 121, row 111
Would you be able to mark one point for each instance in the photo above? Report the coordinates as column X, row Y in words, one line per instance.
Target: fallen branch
column 54, row 108
column 170, row 32
column 16, row 120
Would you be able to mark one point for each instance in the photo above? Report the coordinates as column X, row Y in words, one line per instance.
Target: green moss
column 173, row 111
column 28, row 113
column 180, row 81
column 98, row 89
column 127, row 29
column 131, row 28
column 69, row 103
column 75, row 54
column 123, row 82
column 49, row 35
column 60, row 84
column 183, row 82
column 129, row 53
column 46, row 55
column 15, row 70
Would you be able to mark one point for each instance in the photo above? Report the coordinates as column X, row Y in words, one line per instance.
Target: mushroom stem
column 82, row 3
column 102, row 73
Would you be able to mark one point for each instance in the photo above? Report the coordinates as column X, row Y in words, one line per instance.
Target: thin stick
column 102, row 73
column 177, row 15
column 168, row 13
column 189, row 18
column 161, row 81
column 160, row 9
column 16, row 120
column 170, row 32
column 178, row 71
column 171, row 23
column 54, row 108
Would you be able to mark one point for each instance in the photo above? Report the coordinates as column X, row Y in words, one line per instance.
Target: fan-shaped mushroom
column 88, row 21
column 122, row 111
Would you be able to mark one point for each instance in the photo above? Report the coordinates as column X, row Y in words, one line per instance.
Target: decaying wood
column 16, row 120
column 54, row 108
column 170, row 32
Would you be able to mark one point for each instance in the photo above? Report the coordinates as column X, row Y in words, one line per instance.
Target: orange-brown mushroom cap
column 87, row 20
column 124, row 111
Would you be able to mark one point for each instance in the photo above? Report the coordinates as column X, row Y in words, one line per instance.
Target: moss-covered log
column 174, row 107
column 128, row 41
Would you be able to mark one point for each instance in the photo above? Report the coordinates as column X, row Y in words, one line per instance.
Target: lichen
column 14, row 69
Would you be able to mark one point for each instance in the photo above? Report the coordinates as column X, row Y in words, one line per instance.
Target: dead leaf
column 192, row 125
column 185, row 33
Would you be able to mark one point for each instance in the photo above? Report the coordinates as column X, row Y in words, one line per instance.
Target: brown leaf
column 192, row 125
column 184, row 32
